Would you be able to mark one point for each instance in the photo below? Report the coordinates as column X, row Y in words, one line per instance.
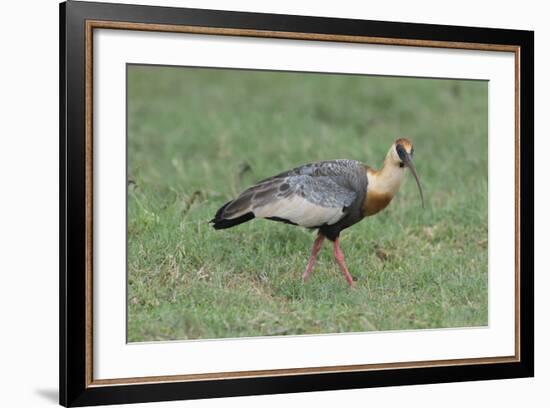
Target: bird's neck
column 388, row 179
column 382, row 187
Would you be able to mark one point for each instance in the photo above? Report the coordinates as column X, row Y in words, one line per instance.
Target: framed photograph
column 256, row 203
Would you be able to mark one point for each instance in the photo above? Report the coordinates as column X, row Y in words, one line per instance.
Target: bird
column 327, row 196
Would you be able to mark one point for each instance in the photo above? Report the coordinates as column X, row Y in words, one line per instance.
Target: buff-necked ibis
column 328, row 195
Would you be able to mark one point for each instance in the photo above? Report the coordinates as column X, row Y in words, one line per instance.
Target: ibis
column 328, row 196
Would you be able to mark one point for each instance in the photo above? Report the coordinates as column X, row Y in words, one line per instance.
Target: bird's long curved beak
column 408, row 162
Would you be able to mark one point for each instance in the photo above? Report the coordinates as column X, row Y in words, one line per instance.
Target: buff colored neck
column 388, row 179
column 383, row 185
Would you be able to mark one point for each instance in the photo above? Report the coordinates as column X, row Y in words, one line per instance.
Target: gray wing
column 311, row 195
column 342, row 169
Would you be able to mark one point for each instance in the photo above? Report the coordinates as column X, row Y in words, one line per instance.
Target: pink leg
column 339, row 255
column 314, row 251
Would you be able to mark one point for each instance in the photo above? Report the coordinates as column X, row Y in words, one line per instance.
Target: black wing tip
column 222, row 223
column 219, row 222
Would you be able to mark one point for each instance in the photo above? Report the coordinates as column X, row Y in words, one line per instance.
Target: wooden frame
column 77, row 22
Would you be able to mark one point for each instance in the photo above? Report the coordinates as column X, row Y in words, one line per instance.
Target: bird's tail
column 245, row 206
column 221, row 220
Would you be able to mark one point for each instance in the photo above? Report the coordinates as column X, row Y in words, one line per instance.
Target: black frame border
column 72, row 125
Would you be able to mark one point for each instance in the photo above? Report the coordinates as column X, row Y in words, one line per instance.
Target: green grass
column 197, row 137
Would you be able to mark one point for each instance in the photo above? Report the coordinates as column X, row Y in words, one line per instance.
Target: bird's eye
column 401, row 152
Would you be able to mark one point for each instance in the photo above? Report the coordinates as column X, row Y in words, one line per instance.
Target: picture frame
column 79, row 21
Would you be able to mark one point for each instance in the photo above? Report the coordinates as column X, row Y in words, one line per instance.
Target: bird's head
column 401, row 154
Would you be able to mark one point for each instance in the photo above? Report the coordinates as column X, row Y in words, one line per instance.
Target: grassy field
column 197, row 137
